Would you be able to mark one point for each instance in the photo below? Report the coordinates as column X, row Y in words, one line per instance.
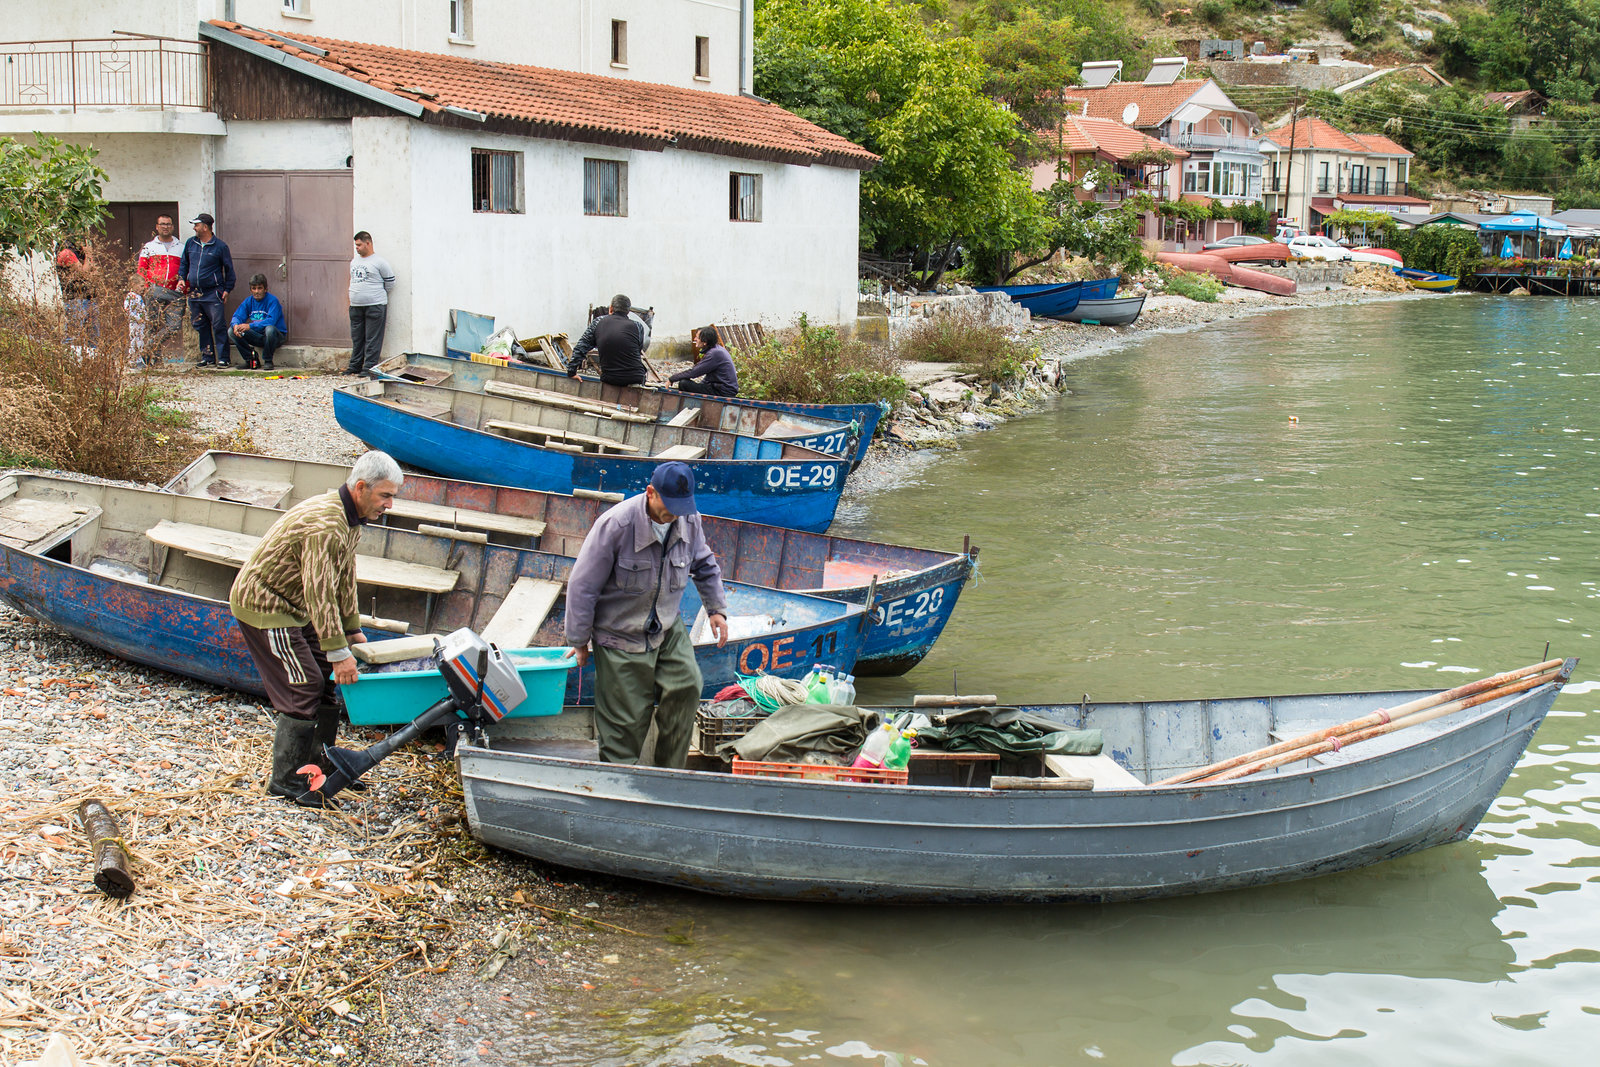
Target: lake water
column 1401, row 495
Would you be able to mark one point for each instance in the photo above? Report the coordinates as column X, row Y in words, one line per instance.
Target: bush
column 77, row 407
column 963, row 338
column 1201, row 287
column 1445, row 249
column 814, row 365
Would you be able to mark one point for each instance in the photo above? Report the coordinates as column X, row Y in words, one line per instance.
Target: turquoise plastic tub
column 399, row 696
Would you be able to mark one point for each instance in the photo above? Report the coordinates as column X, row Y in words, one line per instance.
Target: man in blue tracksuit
column 205, row 275
column 258, row 323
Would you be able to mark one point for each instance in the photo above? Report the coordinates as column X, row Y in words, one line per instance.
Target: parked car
column 1237, row 241
column 1287, row 230
column 1317, row 247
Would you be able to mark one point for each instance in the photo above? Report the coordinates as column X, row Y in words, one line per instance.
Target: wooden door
column 130, row 223
column 294, row 227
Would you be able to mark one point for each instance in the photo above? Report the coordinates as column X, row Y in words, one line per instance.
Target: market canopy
column 1524, row 222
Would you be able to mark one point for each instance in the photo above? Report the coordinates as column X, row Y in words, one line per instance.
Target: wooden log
column 938, row 700
column 1006, row 781
column 111, row 874
column 475, row 536
column 394, row 626
column 597, row 494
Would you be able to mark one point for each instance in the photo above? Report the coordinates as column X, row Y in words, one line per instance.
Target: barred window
column 744, row 197
column 605, row 187
column 496, row 181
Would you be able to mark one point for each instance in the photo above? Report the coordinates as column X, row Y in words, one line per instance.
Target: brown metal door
column 130, row 223
column 294, row 227
column 321, row 221
column 251, row 208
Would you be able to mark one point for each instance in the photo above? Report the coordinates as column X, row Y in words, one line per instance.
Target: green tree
column 1028, row 61
column 870, row 70
column 49, row 190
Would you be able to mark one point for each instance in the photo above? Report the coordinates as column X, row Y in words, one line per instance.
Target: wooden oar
column 1377, row 718
column 1333, row 744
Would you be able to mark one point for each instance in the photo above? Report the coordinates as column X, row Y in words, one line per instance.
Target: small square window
column 301, row 8
column 619, row 43
column 702, row 58
column 461, row 19
column 605, row 187
column 496, row 181
column 744, row 197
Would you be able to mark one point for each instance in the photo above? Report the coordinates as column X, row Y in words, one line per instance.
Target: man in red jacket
column 158, row 266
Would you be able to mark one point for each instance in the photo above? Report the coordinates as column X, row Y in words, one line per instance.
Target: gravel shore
column 261, row 933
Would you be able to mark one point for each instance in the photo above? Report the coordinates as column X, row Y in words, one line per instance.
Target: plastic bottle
column 877, row 746
column 844, row 689
column 899, row 751
column 820, row 686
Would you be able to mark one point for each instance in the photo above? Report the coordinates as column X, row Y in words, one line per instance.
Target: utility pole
column 1288, row 175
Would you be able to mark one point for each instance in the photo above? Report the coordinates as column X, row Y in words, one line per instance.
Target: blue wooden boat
column 483, row 438
column 1051, row 301
column 1428, row 280
column 1118, row 311
column 865, row 417
column 914, row 590
column 484, row 374
column 536, row 789
column 144, row 575
column 1100, row 289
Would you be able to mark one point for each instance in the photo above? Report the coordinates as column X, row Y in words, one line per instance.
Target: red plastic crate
column 822, row 772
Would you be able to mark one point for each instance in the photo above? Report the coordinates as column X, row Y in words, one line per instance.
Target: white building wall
column 564, row 34
column 539, row 271
column 290, row 144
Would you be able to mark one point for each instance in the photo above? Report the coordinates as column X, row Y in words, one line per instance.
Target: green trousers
column 630, row 686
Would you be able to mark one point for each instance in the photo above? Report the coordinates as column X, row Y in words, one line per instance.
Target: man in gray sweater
column 371, row 278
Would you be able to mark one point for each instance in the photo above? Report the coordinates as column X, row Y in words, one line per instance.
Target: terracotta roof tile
column 1156, row 102
column 1315, row 133
column 1117, row 140
column 584, row 107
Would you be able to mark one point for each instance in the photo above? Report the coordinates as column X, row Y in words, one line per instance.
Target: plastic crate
column 720, row 729
column 822, row 772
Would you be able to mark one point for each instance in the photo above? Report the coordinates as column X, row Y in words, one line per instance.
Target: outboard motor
column 483, row 685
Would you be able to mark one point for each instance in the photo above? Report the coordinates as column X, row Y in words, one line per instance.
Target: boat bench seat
column 680, row 452
column 522, row 612
column 545, row 434
column 232, row 549
column 551, row 399
column 246, row 491
column 444, row 515
column 39, row 525
column 1105, row 772
column 685, row 417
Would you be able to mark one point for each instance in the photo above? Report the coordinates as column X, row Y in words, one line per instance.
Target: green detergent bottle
column 899, row 751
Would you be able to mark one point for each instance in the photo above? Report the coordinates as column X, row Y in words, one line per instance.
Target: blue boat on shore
column 865, row 417
column 489, row 375
column 1051, row 301
column 913, row 590
column 477, row 437
column 1100, row 289
column 144, row 575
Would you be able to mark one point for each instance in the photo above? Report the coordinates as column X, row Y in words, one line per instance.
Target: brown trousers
column 296, row 674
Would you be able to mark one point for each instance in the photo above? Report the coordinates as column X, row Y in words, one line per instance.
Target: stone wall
column 906, row 311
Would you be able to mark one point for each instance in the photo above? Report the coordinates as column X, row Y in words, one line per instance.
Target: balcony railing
column 1363, row 187
column 1213, row 141
column 111, row 72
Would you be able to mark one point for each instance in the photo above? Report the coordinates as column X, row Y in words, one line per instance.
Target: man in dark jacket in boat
column 295, row 603
column 623, row 611
column 618, row 341
column 714, row 374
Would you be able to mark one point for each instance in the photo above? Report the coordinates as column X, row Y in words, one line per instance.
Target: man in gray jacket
column 623, row 611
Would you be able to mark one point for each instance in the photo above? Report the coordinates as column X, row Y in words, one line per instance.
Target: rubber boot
column 294, row 745
column 327, row 734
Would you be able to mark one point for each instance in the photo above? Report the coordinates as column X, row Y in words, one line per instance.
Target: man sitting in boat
column 295, row 603
column 714, row 374
column 619, row 341
column 623, row 611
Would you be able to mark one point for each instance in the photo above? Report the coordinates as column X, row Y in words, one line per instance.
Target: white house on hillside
column 1318, row 169
column 631, row 158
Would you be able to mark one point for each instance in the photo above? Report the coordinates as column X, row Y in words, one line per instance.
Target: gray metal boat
column 541, row 793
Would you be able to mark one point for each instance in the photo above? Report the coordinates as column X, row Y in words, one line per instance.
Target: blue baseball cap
column 674, row 482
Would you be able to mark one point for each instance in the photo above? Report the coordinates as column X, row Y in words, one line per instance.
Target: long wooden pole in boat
column 1333, row 744
column 1377, row 718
